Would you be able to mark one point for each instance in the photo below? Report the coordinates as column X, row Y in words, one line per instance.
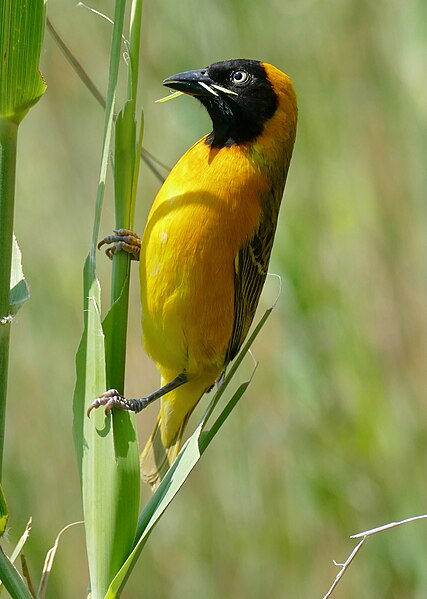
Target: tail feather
column 165, row 442
column 156, row 459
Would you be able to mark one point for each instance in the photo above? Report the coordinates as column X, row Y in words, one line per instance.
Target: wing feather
column 251, row 267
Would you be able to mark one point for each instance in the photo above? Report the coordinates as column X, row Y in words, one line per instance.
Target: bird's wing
column 250, row 265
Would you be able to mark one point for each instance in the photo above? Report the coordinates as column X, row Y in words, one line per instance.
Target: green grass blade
column 115, row 324
column 124, row 162
column 126, row 460
column 90, row 363
column 12, row 580
column 108, row 120
column 188, row 457
column 107, row 446
column 21, row 35
column 85, row 367
column 115, row 330
column 126, row 171
column 18, row 547
column 8, row 146
column 137, row 167
column 106, row 482
column 169, row 487
column 236, row 363
column 134, row 46
column 157, row 504
column 21, row 85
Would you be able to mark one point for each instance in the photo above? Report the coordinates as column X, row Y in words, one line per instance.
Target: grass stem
column 8, row 141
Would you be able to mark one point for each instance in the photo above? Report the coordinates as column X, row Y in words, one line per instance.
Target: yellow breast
column 208, row 207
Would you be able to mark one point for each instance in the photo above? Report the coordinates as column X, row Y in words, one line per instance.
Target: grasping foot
column 123, row 240
column 112, row 399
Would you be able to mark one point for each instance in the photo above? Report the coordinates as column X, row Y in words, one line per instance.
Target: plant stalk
column 8, row 142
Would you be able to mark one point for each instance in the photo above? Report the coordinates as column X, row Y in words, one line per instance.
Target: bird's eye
column 239, row 76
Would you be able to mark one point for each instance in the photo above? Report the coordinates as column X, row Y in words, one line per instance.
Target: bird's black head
column 237, row 95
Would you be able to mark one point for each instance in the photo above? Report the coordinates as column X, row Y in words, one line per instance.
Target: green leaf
column 137, row 167
column 124, row 150
column 115, row 58
column 21, row 35
column 176, row 476
column 107, row 446
column 124, row 162
column 12, row 580
column 183, row 465
column 19, row 546
column 88, row 364
column 115, row 329
column 19, row 289
column 107, row 451
column 126, row 444
column 21, row 85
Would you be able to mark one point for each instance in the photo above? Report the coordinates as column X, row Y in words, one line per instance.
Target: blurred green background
column 331, row 437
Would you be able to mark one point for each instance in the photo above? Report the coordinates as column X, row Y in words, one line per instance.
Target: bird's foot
column 112, row 399
column 122, row 240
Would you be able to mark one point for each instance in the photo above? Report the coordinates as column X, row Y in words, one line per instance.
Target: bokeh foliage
column 330, row 438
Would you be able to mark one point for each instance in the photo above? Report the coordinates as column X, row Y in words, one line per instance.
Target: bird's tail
column 165, row 442
column 156, row 458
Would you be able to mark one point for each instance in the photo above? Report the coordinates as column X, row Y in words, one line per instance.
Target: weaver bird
column 206, row 246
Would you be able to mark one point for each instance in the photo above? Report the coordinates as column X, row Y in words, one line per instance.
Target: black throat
column 230, row 123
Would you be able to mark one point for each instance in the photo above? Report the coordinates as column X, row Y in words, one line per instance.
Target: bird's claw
column 110, row 399
column 122, row 240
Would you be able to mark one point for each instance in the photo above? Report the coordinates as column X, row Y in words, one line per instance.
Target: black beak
column 191, row 82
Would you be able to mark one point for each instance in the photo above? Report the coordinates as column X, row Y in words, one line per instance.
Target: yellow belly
column 205, row 211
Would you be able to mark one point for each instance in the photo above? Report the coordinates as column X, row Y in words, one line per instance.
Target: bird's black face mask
column 237, row 95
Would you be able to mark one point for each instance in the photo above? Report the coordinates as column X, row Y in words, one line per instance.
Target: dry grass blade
column 90, row 85
column 364, row 535
column 48, row 562
column 22, row 541
column 373, row 531
column 26, row 575
column 344, row 567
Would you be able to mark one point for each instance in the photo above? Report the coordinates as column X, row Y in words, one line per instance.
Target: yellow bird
column 206, row 246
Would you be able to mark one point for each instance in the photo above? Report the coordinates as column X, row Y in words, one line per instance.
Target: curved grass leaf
column 188, row 457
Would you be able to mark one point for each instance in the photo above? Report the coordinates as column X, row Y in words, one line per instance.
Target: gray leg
column 112, row 398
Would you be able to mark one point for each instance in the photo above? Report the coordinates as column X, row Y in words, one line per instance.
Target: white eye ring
column 239, row 77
